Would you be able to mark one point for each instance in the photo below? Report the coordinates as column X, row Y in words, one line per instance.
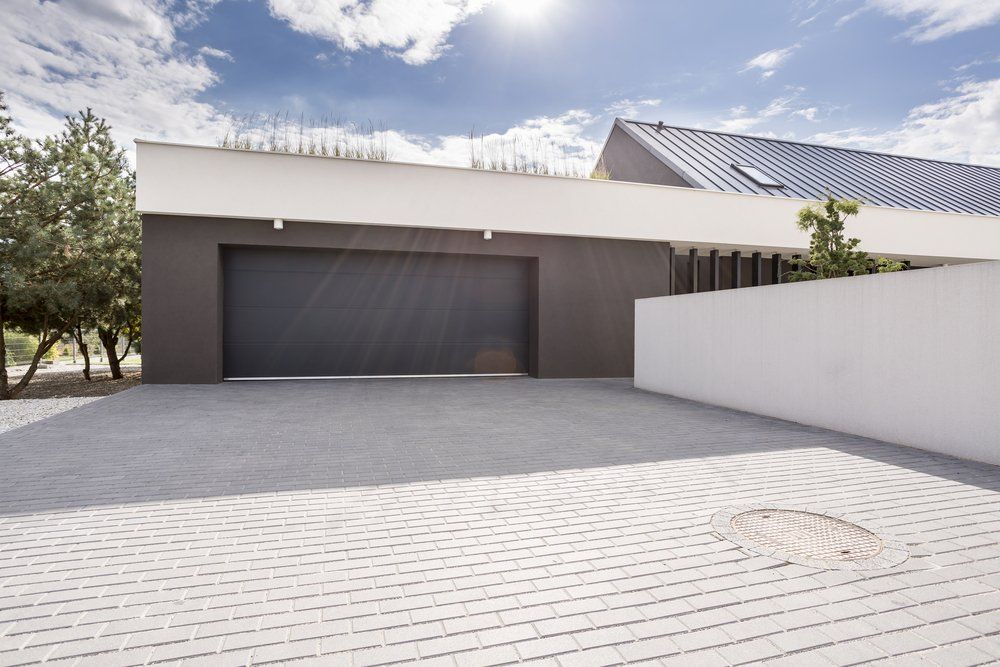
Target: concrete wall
column 911, row 358
column 227, row 183
column 583, row 291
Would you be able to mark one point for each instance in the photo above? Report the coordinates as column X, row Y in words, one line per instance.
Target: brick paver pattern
column 468, row 522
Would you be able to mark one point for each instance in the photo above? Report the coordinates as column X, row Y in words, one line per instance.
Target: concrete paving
column 471, row 521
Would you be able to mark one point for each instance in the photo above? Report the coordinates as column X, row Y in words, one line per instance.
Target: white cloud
column 188, row 13
column 978, row 62
column 964, row 126
column 937, row 19
column 809, row 113
column 216, row 53
column 847, row 18
column 741, row 119
column 769, row 61
column 805, row 22
column 120, row 57
column 123, row 59
column 629, row 108
column 414, row 30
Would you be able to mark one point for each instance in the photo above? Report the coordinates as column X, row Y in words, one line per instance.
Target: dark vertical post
column 756, row 269
column 737, row 269
column 693, row 269
column 776, row 268
column 672, row 261
column 713, row 270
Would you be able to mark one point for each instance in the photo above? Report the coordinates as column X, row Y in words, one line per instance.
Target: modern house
column 273, row 265
column 655, row 153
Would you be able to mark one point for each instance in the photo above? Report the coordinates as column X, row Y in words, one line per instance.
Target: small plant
column 831, row 255
column 526, row 154
column 280, row 133
column 601, row 171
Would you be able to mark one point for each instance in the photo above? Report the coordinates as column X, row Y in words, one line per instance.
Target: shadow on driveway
column 158, row 443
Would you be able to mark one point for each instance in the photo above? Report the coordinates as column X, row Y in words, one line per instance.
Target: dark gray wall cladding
column 292, row 312
column 682, row 272
column 581, row 291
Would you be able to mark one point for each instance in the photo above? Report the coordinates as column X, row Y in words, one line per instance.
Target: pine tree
column 66, row 209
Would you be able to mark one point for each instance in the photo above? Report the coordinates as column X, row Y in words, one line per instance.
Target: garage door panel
column 256, row 325
column 333, row 290
column 301, row 313
column 363, row 262
column 300, row 360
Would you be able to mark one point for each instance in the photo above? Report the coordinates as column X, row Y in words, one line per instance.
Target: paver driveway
column 469, row 521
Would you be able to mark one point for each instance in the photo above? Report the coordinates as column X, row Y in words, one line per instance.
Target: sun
column 525, row 10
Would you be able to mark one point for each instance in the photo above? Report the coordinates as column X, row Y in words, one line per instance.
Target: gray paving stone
column 901, row 643
column 595, row 657
column 557, row 522
column 548, row 646
column 753, row 651
column 494, row 655
column 280, row 652
column 948, row 632
column 647, row 649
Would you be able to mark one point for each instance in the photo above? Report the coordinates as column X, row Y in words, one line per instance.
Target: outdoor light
column 487, row 234
column 279, row 223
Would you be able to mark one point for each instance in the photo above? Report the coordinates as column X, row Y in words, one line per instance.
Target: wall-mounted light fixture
column 487, row 234
column 279, row 223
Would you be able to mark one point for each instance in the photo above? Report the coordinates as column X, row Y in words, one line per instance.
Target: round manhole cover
column 808, row 538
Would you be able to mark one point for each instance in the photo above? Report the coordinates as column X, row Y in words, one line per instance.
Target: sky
column 915, row 77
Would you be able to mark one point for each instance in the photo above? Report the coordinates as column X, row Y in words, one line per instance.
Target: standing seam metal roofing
column 704, row 158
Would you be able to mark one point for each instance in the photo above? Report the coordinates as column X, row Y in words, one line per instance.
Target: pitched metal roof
column 711, row 160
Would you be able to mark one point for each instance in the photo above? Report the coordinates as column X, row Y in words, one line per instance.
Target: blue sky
column 911, row 76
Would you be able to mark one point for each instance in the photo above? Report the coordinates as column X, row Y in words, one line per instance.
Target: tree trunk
column 81, row 343
column 109, row 338
column 44, row 345
column 128, row 344
column 4, row 388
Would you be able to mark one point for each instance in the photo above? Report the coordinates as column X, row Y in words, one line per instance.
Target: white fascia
column 230, row 183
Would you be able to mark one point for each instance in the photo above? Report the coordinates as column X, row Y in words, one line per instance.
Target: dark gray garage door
column 323, row 313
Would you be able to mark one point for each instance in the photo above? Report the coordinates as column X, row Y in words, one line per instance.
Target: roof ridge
column 814, row 145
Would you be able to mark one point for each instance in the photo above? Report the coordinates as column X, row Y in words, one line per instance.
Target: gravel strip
column 14, row 414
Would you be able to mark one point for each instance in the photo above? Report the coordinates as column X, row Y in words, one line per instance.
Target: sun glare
column 525, row 10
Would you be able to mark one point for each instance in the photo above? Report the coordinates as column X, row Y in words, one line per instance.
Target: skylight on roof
column 757, row 176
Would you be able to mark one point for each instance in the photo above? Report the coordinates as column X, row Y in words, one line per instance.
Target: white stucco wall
column 911, row 358
column 219, row 182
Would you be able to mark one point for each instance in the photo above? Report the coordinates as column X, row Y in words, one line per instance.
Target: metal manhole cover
column 808, row 538
column 807, row 534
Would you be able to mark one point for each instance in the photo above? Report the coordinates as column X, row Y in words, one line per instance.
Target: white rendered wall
column 218, row 182
column 911, row 358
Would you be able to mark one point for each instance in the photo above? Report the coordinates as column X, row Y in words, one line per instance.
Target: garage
column 298, row 313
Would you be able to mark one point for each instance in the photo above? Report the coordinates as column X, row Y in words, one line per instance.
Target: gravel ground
column 54, row 390
column 63, row 382
column 26, row 410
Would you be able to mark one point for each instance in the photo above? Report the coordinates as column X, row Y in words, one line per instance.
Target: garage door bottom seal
column 378, row 377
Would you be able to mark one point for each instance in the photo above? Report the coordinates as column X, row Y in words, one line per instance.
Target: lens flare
column 525, row 10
